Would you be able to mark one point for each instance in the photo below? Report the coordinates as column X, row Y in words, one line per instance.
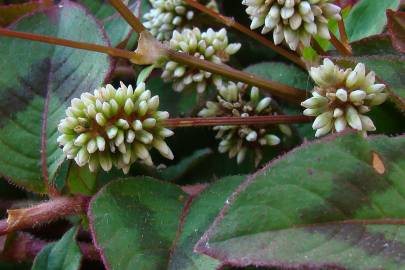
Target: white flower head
column 169, row 15
column 292, row 21
column 342, row 97
column 114, row 127
column 234, row 100
column 210, row 45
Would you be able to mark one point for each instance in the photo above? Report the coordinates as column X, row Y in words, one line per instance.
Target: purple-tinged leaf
column 37, row 82
column 336, row 203
column 396, row 28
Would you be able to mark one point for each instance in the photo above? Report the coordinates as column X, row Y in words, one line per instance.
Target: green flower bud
column 120, row 128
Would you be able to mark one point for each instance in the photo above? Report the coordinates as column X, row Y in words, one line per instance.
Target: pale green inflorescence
column 169, row 15
column 234, row 100
column 210, row 45
column 292, row 21
column 342, row 97
column 114, row 127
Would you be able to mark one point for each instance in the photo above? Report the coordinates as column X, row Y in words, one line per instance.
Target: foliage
column 303, row 203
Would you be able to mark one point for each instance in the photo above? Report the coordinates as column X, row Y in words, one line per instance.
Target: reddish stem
column 128, row 15
column 114, row 52
column 230, row 121
column 19, row 219
column 24, row 247
column 342, row 48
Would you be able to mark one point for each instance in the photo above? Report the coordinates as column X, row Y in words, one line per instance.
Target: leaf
column 9, row 13
column 178, row 170
column 134, row 222
column 115, row 26
column 35, row 89
column 396, row 28
column 368, row 18
column 62, row 255
column 283, row 73
column 81, row 180
column 178, row 104
column 323, row 205
column 201, row 213
column 144, row 74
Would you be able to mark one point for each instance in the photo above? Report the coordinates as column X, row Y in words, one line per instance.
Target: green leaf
column 62, row 255
column 177, row 104
column 335, row 203
column 368, row 18
column 176, row 171
column 36, row 84
column 144, row 74
column 283, row 73
column 134, row 222
column 200, row 215
column 81, row 180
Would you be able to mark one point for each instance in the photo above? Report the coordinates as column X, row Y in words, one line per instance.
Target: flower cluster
column 342, row 97
column 210, row 45
column 169, row 15
column 233, row 100
column 114, row 127
column 294, row 21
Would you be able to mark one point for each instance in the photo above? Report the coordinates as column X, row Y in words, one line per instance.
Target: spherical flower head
column 292, row 21
column 169, row 15
column 234, row 100
column 342, row 97
column 210, row 45
column 114, row 127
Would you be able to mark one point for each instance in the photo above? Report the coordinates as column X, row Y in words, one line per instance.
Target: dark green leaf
column 336, row 203
column 204, row 208
column 134, row 222
column 36, row 83
column 177, row 104
column 62, row 255
column 175, row 172
column 81, row 180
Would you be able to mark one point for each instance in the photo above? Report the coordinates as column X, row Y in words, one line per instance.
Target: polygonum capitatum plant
column 131, row 133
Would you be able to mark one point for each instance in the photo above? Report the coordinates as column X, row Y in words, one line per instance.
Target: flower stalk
column 343, row 48
column 231, row 121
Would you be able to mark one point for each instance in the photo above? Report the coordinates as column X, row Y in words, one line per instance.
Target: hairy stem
column 232, row 23
column 114, row 52
column 54, row 209
column 25, row 247
column 231, row 121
